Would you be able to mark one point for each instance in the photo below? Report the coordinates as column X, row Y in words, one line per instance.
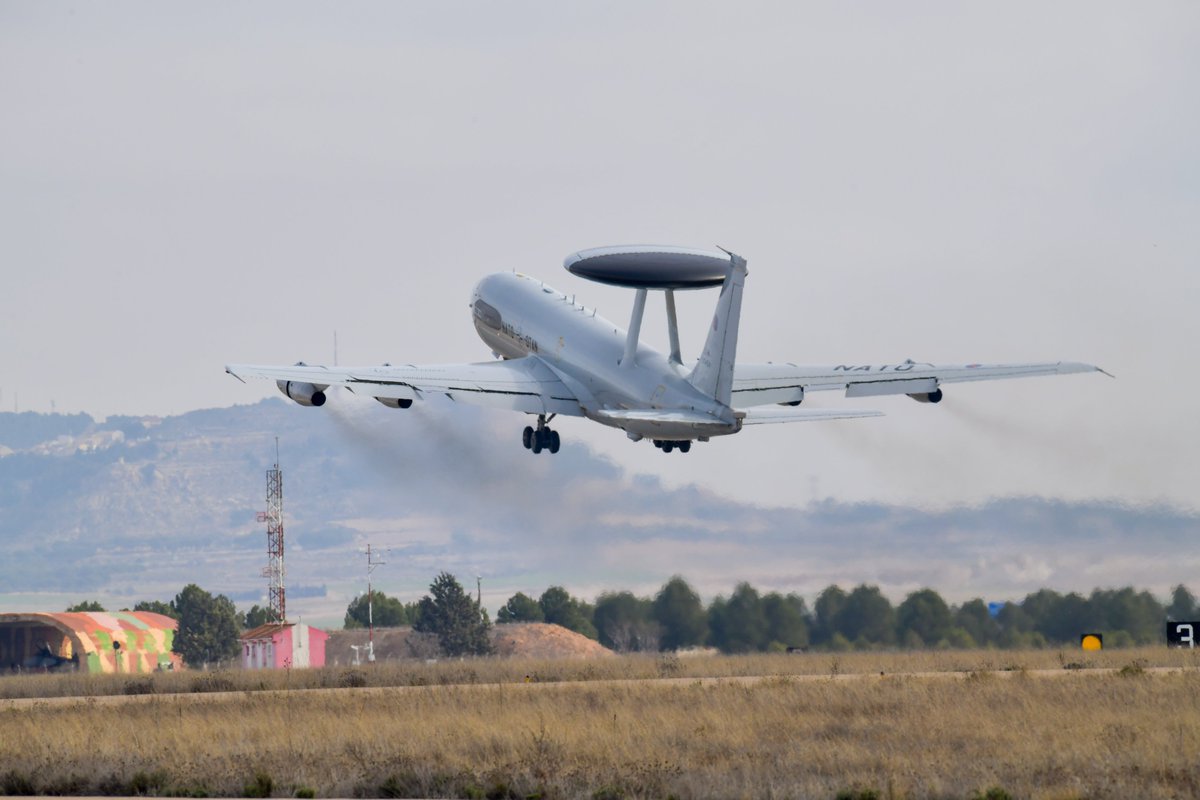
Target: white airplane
column 558, row 357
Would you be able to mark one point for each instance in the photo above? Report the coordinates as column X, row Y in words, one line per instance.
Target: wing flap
column 524, row 384
column 773, row 416
column 903, row 386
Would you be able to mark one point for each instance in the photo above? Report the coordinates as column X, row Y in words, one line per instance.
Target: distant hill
column 144, row 505
column 134, row 508
column 24, row 430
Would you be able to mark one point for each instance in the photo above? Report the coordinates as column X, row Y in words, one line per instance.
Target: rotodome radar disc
column 650, row 266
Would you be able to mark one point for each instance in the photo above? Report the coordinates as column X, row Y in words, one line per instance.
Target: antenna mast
column 372, row 563
column 273, row 516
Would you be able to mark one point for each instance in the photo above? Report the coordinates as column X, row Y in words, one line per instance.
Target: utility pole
column 478, row 591
column 371, row 565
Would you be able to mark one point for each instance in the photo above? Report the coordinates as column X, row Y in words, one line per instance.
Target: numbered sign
column 1182, row 634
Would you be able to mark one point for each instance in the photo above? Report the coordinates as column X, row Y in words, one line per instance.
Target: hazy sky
column 186, row 186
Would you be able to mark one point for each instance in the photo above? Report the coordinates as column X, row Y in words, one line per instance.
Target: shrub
column 669, row 666
column 16, row 783
column 502, row 791
column 213, row 682
column 71, row 786
column 405, row 784
column 261, row 786
column 1134, row 669
column 139, row 686
column 352, row 679
column 994, row 793
column 858, row 794
column 144, row 784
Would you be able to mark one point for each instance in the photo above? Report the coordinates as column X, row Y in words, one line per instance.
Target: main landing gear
column 667, row 446
column 540, row 438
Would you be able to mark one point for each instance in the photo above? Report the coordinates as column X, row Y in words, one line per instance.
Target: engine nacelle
column 306, row 394
column 795, row 402
column 928, row 397
column 395, row 402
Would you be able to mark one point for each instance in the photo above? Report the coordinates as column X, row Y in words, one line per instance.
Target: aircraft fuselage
column 516, row 315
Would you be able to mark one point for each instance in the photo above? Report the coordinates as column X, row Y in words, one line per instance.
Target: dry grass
column 632, row 667
column 1088, row 735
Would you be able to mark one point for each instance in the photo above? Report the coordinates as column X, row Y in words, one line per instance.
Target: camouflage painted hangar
column 97, row 641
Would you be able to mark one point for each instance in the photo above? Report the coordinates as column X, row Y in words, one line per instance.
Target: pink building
column 283, row 645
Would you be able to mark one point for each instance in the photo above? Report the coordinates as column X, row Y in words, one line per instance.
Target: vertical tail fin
column 713, row 373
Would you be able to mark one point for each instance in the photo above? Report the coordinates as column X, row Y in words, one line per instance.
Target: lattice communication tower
column 273, row 516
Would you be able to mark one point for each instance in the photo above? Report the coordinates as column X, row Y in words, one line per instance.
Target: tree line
column 745, row 621
column 863, row 617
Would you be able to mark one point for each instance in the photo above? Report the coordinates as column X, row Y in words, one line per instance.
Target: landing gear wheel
column 668, row 447
column 685, row 446
column 542, row 437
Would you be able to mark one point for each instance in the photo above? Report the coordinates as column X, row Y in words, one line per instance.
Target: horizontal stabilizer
column 697, row 420
column 770, row 416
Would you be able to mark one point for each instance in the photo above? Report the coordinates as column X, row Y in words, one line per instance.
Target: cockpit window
column 487, row 314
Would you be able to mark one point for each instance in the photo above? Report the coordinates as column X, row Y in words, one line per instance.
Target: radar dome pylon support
column 672, row 327
column 635, row 329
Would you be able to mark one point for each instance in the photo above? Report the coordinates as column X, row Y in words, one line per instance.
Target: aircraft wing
column 523, row 384
column 764, row 384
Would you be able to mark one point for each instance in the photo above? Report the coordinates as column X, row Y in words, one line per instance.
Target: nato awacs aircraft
column 558, row 357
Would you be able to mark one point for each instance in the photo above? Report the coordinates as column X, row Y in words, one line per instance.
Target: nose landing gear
column 540, row 438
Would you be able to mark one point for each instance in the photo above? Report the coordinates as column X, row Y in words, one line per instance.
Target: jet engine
column 928, row 397
column 306, row 394
column 395, row 402
column 795, row 402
